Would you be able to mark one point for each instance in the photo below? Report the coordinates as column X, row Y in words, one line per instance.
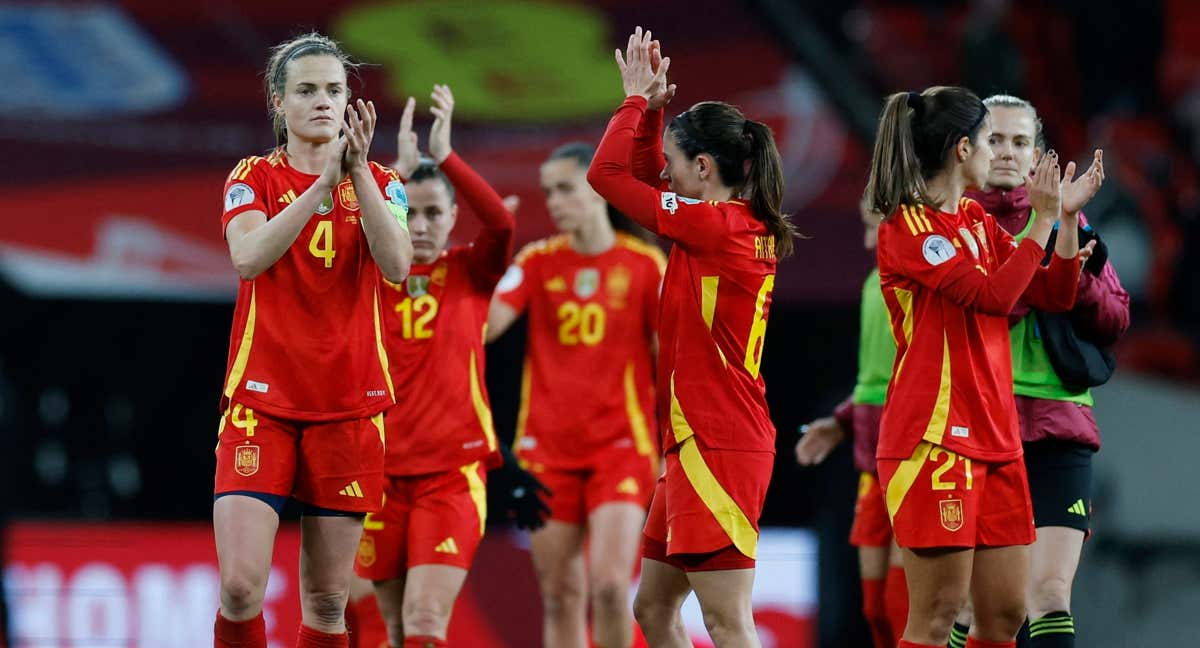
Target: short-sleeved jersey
column 306, row 341
column 433, row 329
column 948, row 288
column 588, row 380
column 716, row 299
column 433, row 325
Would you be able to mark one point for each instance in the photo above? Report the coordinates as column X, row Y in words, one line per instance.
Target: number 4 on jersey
column 321, row 244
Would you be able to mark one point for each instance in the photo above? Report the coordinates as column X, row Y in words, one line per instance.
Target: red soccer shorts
column 937, row 498
column 872, row 528
column 616, row 475
column 434, row 519
column 708, row 502
column 335, row 465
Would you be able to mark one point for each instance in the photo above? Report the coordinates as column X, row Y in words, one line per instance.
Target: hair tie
column 916, row 102
column 303, row 50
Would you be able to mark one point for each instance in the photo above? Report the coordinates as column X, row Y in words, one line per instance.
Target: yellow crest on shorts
column 366, row 551
column 246, row 460
column 951, row 513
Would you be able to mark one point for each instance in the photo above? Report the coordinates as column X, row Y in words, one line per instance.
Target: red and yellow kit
column 306, row 339
column 949, row 282
column 440, row 439
column 307, row 369
column 716, row 296
column 586, row 423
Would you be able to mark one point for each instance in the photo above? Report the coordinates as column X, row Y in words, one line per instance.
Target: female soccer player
column 1058, row 431
column 722, row 212
column 949, row 451
column 309, row 227
column 884, row 593
column 440, row 441
column 586, row 422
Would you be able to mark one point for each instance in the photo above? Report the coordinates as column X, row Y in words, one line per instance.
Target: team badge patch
column 237, row 195
column 326, row 205
column 438, row 277
column 951, row 511
column 246, row 458
column 348, row 198
column 969, row 240
column 418, row 285
column 981, row 234
column 366, row 551
column 617, row 284
column 587, row 281
column 937, row 249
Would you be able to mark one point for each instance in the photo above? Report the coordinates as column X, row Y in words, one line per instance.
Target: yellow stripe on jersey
column 478, row 491
column 726, row 511
column 708, row 298
column 377, row 421
column 481, row 408
column 646, row 249
column 637, row 419
column 236, row 170
column 904, row 298
column 866, row 481
column 908, row 219
column 243, row 354
column 383, row 358
column 902, row 481
column 245, row 170
column 941, row 408
column 679, row 424
column 919, row 213
column 523, row 411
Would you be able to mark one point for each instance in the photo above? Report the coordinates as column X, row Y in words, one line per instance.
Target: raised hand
column 439, row 133
column 333, row 172
column 358, row 127
column 820, row 438
column 1045, row 187
column 1076, row 193
column 637, row 74
column 408, row 156
column 660, row 99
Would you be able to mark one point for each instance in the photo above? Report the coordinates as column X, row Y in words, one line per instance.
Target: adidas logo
column 628, row 486
column 352, row 490
column 557, row 284
column 447, row 546
column 288, row 197
column 1078, row 508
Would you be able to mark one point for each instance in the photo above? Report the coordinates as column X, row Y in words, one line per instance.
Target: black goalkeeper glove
column 520, row 493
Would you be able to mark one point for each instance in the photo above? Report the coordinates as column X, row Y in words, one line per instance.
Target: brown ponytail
column 746, row 157
column 916, row 134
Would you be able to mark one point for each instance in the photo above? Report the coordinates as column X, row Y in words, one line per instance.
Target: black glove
column 520, row 494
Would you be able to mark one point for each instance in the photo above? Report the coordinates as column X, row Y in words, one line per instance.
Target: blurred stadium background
column 120, row 120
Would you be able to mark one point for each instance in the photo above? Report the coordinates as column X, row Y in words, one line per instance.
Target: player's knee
column 610, row 596
column 242, row 595
column 1002, row 621
column 1050, row 595
column 728, row 626
column 325, row 607
column 650, row 611
column 938, row 613
column 561, row 597
column 425, row 618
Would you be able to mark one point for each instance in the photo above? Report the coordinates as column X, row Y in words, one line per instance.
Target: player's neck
column 596, row 237
column 945, row 190
column 307, row 157
column 717, row 192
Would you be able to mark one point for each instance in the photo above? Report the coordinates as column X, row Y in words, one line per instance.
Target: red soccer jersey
column 434, row 334
column 716, row 294
column 588, row 380
column 949, row 282
column 306, row 339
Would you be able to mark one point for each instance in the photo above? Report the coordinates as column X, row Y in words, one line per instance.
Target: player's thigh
column 245, row 530
column 390, row 596
column 614, row 539
column 433, row 589
column 557, row 551
column 725, row 593
column 662, row 587
column 328, row 548
column 998, row 580
column 873, row 562
column 936, row 577
column 1054, row 559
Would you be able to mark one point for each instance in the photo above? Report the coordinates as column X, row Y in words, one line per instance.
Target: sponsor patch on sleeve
column 670, row 202
column 511, row 279
column 937, row 249
column 237, row 195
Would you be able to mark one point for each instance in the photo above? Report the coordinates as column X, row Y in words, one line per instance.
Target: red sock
column 913, row 644
column 972, row 642
column 424, row 641
column 310, row 638
column 251, row 633
column 364, row 623
column 876, row 614
column 896, row 600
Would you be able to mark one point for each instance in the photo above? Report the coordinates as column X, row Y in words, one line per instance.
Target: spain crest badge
column 246, row 459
